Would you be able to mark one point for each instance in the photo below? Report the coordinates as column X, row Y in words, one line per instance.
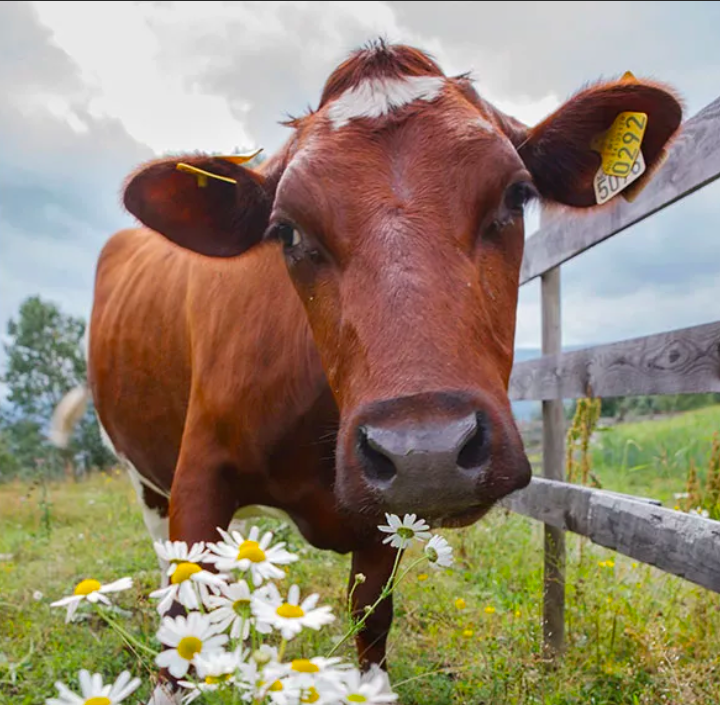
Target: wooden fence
column 675, row 362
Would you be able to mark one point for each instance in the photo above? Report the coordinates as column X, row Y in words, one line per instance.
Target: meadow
column 635, row 636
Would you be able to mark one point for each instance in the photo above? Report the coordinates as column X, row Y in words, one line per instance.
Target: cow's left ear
column 210, row 205
column 562, row 153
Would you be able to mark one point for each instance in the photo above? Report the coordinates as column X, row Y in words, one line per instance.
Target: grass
column 635, row 636
column 652, row 457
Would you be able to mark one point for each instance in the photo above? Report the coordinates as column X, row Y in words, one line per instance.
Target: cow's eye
column 517, row 196
column 288, row 235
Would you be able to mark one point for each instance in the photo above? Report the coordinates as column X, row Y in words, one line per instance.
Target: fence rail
column 674, row 362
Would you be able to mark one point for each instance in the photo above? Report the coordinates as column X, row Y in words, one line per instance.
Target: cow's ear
column 210, row 205
column 562, row 153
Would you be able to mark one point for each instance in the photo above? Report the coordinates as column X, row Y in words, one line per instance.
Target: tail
column 67, row 413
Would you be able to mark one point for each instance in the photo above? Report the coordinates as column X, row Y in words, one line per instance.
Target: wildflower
column 37, row 595
column 252, row 553
column 460, row 603
column 318, row 680
column 439, row 552
column 699, row 511
column 94, row 692
column 403, row 532
column 602, row 564
column 489, row 610
column 634, row 565
column 188, row 638
column 467, row 633
column 423, row 576
column 517, row 613
column 214, row 670
column 372, row 688
column 291, row 616
column 189, row 582
column 231, row 608
column 91, row 590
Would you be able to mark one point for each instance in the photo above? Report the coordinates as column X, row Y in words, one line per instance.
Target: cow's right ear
column 189, row 205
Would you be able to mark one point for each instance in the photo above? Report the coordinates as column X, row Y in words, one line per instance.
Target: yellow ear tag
column 622, row 158
column 242, row 159
column 202, row 175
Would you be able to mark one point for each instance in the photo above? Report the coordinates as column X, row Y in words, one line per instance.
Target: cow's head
column 398, row 207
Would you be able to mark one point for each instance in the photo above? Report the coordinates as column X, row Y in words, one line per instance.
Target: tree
column 44, row 360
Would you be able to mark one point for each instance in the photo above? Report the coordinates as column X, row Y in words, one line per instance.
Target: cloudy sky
column 89, row 90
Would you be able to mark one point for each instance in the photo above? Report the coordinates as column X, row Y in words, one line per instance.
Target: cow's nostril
column 476, row 450
column 378, row 467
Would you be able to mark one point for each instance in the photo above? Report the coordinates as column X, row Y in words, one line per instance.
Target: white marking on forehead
column 483, row 124
column 375, row 97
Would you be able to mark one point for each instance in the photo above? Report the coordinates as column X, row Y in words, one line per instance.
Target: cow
column 330, row 335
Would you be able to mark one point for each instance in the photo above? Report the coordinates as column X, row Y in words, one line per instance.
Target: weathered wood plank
column 693, row 161
column 677, row 362
column 685, row 545
column 553, row 468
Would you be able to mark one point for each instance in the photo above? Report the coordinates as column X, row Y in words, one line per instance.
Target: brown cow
column 332, row 336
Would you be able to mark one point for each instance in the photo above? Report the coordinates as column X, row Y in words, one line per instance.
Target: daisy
column 252, row 553
column 188, row 638
column 439, row 552
column 403, row 532
column 371, row 688
column 188, row 582
column 214, row 670
column 91, row 590
column 94, row 692
column 289, row 617
column 319, row 679
column 231, row 608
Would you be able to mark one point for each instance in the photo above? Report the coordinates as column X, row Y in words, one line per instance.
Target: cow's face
column 398, row 206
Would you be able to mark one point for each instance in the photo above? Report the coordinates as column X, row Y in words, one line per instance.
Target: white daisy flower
column 319, row 679
column 252, row 553
column 289, row 617
column 232, row 608
column 188, row 581
column 439, row 552
column 370, row 688
column 94, row 692
column 214, row 670
column 403, row 532
column 188, row 638
column 178, row 551
column 91, row 590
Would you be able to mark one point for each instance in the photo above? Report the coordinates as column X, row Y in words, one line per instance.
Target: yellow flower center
column 85, row 587
column 216, row 680
column 188, row 647
column 304, row 665
column 276, row 686
column 290, row 611
column 405, row 533
column 251, row 551
column 100, row 700
column 311, row 696
column 356, row 698
column 240, row 607
column 184, row 571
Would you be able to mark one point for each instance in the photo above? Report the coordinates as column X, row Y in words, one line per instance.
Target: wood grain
column 685, row 545
column 693, row 161
column 553, row 468
column 677, row 362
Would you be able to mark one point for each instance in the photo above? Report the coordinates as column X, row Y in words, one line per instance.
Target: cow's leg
column 376, row 564
column 203, row 497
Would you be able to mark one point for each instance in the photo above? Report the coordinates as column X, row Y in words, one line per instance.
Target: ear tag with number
column 622, row 158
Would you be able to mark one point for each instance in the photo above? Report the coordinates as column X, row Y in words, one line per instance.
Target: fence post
column 553, row 469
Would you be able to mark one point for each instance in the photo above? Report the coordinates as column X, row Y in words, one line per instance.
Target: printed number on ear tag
column 620, row 145
column 609, row 186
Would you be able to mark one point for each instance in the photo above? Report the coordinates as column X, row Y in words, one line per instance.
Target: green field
column 634, row 635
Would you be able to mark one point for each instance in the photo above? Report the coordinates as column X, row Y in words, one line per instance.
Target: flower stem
column 129, row 638
column 384, row 593
column 281, row 650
